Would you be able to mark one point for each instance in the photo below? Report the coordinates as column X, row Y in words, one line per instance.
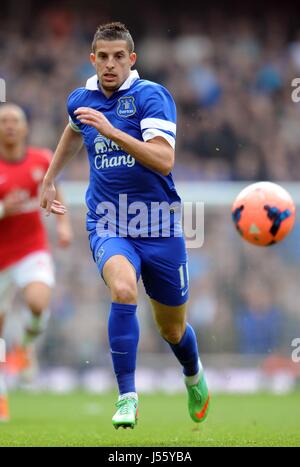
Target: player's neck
column 12, row 153
column 109, row 92
column 106, row 92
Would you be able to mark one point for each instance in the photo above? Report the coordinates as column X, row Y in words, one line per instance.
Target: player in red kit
column 25, row 260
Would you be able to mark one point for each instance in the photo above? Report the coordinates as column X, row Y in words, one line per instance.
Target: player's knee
column 37, row 306
column 124, row 292
column 173, row 336
column 37, row 297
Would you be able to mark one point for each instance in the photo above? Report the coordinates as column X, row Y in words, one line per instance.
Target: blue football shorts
column 162, row 262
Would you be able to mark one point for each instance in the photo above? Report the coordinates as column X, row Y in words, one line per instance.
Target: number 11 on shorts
column 184, row 278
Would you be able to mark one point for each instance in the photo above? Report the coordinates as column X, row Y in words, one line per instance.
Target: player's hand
column 57, row 208
column 64, row 234
column 96, row 119
column 48, row 201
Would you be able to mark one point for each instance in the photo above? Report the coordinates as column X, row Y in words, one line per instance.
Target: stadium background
column 230, row 71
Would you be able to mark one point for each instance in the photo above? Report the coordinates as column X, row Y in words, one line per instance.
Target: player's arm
column 69, row 145
column 156, row 154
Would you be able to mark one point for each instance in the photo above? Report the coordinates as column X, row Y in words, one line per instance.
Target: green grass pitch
column 81, row 419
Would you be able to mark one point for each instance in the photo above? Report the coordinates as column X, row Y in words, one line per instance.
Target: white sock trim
column 128, row 395
column 191, row 380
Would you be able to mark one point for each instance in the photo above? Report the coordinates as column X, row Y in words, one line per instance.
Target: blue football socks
column 123, row 333
column 186, row 352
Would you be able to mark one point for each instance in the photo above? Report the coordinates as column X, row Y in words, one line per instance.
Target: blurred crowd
column 231, row 79
column 230, row 76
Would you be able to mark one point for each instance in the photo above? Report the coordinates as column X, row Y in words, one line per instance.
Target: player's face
column 13, row 126
column 113, row 62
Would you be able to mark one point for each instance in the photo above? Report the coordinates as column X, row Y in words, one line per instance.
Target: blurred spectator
column 258, row 320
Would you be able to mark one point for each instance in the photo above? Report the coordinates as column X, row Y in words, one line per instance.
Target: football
column 263, row 213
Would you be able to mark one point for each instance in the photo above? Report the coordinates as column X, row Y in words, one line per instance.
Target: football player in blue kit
column 128, row 126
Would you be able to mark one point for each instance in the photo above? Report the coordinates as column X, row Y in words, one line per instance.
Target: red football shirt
column 24, row 232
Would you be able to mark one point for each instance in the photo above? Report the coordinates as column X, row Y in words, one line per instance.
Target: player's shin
column 186, row 352
column 123, row 332
column 4, row 410
column 23, row 358
column 35, row 325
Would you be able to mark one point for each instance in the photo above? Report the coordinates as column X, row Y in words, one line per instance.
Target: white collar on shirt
column 92, row 83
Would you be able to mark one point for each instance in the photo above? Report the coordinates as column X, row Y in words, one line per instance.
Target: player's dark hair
column 113, row 32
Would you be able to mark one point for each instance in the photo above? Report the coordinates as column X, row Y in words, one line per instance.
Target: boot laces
column 123, row 406
column 196, row 393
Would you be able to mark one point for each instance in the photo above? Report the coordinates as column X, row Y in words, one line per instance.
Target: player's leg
column 172, row 325
column 36, row 296
column 165, row 276
column 119, row 266
column 6, row 295
column 123, row 332
column 4, row 410
column 34, row 275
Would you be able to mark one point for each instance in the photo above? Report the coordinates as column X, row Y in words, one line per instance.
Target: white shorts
column 35, row 267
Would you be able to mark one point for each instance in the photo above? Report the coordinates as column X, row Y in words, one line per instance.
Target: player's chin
column 110, row 85
column 11, row 140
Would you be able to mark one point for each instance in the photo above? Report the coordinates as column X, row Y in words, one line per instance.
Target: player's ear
column 93, row 59
column 132, row 58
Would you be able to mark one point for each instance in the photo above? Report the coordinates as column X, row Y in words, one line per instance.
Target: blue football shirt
column 119, row 183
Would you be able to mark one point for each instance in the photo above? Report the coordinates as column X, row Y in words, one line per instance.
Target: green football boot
column 198, row 400
column 126, row 415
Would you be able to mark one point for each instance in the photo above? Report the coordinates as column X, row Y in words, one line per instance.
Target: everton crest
column 126, row 106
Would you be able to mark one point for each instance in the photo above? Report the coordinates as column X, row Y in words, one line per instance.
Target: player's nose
column 110, row 63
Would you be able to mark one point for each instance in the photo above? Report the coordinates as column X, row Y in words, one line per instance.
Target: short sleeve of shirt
column 73, row 102
column 158, row 115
